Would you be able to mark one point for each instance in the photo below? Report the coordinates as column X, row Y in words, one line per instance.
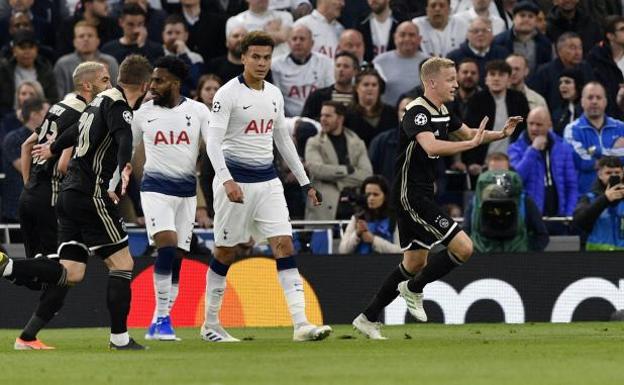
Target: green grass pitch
column 578, row 353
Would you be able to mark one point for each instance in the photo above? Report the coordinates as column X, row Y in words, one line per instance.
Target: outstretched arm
column 467, row 133
column 436, row 147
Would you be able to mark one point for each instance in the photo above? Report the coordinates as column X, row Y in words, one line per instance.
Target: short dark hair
column 339, row 108
column 565, row 37
column 176, row 19
column 34, row 104
column 611, row 21
column 174, row 65
column 498, row 66
column 132, row 9
column 427, row 2
column 468, row 60
column 135, row 70
column 354, row 59
column 258, row 38
column 609, row 161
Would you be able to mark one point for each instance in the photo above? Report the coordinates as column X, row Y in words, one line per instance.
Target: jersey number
column 86, row 119
column 48, row 131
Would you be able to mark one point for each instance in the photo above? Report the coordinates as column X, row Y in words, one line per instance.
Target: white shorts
column 169, row 213
column 264, row 213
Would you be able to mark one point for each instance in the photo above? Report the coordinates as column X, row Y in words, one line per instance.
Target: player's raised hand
column 126, row 173
column 484, row 122
column 233, row 191
column 478, row 138
column 510, row 125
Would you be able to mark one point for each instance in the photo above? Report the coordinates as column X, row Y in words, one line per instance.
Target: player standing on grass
column 425, row 130
column 170, row 126
column 42, row 179
column 89, row 221
column 247, row 118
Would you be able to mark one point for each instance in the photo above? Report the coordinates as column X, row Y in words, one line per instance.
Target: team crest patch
column 216, row 106
column 444, row 223
column 127, row 115
column 420, row 119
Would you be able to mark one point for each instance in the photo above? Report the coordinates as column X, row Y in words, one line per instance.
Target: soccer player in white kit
column 247, row 118
column 170, row 126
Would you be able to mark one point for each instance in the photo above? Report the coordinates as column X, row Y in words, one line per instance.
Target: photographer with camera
column 373, row 227
column 600, row 212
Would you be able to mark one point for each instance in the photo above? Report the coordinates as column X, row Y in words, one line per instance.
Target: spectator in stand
column 607, row 60
column 154, row 18
column 498, row 103
column 407, row 9
column 368, row 115
column 458, row 6
column 301, row 72
column 229, row 66
column 593, row 135
column 22, row 21
column 482, row 8
column 33, row 113
column 134, row 39
column 351, row 40
column 373, row 228
column 468, row 82
column 441, row 33
column 337, row 162
column 524, row 39
column 206, row 24
column 298, row 8
column 175, row 36
column 383, row 148
column 86, row 43
column 377, row 29
column 570, row 89
column 600, row 211
column 323, row 21
column 400, row 68
column 540, row 23
column 345, row 68
column 519, row 72
column 260, row 18
column 479, row 46
column 570, row 55
column 568, row 16
column 96, row 13
column 43, row 29
column 545, row 163
column 228, row 8
column 599, row 10
column 25, row 65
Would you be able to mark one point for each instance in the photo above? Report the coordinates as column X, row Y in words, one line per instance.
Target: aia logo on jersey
column 301, row 92
column 327, row 51
column 260, row 127
column 171, row 138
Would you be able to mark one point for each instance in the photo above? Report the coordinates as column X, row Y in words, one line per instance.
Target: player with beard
column 42, row 179
column 171, row 127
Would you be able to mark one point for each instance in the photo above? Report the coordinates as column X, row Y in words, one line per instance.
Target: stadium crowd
column 348, row 70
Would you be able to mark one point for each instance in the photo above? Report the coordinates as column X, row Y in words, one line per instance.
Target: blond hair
column 431, row 67
column 86, row 71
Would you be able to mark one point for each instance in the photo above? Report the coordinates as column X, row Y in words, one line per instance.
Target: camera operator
column 600, row 212
column 373, row 228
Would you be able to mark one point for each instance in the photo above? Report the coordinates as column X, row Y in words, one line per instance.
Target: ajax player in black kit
column 89, row 221
column 425, row 132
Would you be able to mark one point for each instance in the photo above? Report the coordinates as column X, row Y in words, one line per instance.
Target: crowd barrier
column 511, row 288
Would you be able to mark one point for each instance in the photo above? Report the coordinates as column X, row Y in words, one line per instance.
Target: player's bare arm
column 436, row 147
column 467, row 133
column 26, row 157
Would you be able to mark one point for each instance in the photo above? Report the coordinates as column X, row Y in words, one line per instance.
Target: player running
column 247, row 118
column 171, row 127
column 425, row 130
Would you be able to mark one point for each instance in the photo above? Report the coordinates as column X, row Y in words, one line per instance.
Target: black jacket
column 108, row 29
column 314, row 102
column 358, row 124
column 608, row 73
column 588, row 29
column 45, row 76
column 482, row 104
column 365, row 28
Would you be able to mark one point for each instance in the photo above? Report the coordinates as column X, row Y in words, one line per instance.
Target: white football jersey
column 256, row 21
column 298, row 81
column 325, row 34
column 172, row 139
column 286, row 4
column 440, row 43
column 249, row 116
column 498, row 24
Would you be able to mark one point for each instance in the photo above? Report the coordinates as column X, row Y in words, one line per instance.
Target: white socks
column 162, row 289
column 293, row 290
column 120, row 339
column 173, row 295
column 215, row 289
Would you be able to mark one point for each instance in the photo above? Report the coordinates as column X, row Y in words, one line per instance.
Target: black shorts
column 88, row 225
column 37, row 219
column 422, row 224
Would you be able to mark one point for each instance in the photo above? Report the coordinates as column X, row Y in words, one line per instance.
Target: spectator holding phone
column 600, row 212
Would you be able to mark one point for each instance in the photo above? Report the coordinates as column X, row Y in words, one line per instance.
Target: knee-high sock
column 162, row 279
column 40, row 269
column 292, row 284
column 438, row 265
column 215, row 289
column 118, row 300
column 387, row 292
column 50, row 302
column 175, row 282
